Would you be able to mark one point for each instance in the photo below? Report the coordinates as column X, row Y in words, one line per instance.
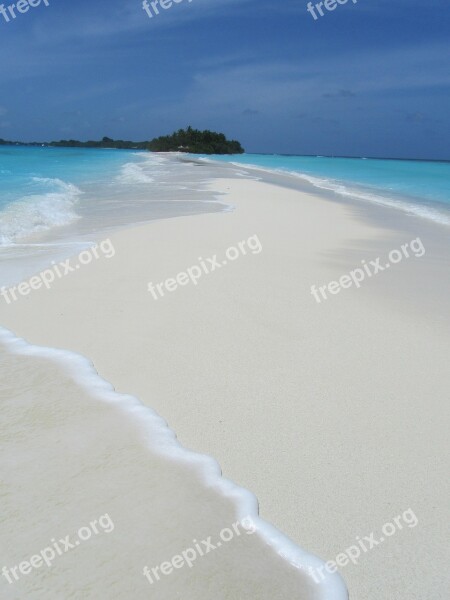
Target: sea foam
column 160, row 440
column 133, row 173
column 50, row 203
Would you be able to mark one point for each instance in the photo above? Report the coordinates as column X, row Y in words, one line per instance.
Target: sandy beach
column 331, row 413
column 224, row 300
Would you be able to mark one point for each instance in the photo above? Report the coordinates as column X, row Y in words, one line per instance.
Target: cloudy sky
column 368, row 79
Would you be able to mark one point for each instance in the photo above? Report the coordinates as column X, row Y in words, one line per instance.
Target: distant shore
column 183, row 140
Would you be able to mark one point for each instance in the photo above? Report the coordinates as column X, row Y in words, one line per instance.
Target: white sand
column 332, row 414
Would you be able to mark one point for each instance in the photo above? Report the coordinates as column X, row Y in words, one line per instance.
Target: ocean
column 417, row 187
column 68, row 191
column 43, row 189
column 54, row 201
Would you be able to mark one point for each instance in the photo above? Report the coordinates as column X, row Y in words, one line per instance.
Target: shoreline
column 262, row 315
column 292, row 568
column 353, row 192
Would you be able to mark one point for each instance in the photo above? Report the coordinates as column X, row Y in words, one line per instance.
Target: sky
column 370, row 78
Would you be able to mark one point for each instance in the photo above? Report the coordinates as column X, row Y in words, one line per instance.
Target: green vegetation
column 106, row 142
column 196, row 142
column 183, row 140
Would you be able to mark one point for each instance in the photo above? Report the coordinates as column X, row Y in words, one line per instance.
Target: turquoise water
column 22, row 166
column 40, row 187
column 59, row 195
column 418, row 187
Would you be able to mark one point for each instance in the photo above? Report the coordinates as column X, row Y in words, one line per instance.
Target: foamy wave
column 146, row 171
column 133, row 173
column 419, row 210
column 39, row 212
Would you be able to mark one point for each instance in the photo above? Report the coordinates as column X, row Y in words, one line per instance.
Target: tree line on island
column 189, row 140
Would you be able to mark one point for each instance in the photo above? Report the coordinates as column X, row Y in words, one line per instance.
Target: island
column 188, row 140
column 196, row 142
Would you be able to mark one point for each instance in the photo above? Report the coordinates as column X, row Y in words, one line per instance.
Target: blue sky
column 368, row 79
